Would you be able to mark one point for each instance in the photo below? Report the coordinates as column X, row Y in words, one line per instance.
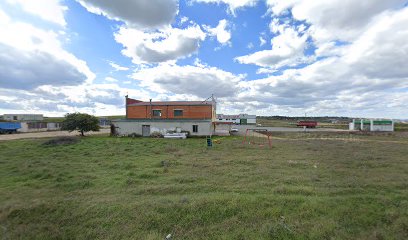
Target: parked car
column 234, row 130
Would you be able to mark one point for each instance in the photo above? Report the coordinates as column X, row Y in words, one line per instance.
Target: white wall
column 53, row 126
column 251, row 121
column 50, row 127
column 224, row 120
column 382, row 128
column 372, row 127
column 24, row 128
column 124, row 128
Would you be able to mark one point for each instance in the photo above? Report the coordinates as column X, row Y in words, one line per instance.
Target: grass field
column 292, row 124
column 401, row 127
column 308, row 186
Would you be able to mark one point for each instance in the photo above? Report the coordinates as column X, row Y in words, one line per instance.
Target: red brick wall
column 189, row 112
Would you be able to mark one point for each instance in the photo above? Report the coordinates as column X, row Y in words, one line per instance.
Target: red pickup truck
column 308, row 124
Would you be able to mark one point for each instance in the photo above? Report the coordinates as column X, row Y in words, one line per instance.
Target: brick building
column 144, row 118
column 170, row 110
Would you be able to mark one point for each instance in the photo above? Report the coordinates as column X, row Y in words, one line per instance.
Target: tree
column 80, row 121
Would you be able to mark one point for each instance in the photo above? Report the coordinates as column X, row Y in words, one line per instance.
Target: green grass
column 401, row 127
column 53, row 119
column 124, row 188
column 113, row 117
column 292, row 124
column 275, row 123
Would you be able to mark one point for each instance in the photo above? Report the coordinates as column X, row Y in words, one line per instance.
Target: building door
column 145, row 130
column 243, row 121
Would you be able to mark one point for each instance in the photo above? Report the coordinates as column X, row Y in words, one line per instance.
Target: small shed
column 247, row 119
column 372, row 125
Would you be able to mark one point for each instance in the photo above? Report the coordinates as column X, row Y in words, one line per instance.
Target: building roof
column 172, row 103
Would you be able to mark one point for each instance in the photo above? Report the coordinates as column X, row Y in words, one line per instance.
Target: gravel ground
column 242, row 129
column 5, row 137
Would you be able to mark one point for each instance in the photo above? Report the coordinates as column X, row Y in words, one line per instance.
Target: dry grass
column 138, row 188
column 61, row 141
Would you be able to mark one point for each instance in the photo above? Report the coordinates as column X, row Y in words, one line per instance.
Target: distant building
column 38, row 126
column 372, row 125
column 242, row 119
column 145, row 118
column 227, row 119
column 23, row 117
column 103, row 122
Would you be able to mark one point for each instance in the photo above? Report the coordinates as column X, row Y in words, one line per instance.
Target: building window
column 220, row 119
column 156, row 113
column 14, row 117
column 195, row 128
column 178, row 113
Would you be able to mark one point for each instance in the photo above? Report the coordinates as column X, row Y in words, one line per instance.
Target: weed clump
column 134, row 135
column 61, row 141
column 156, row 135
column 164, row 163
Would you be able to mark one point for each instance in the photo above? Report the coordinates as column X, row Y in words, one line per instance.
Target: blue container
column 9, row 127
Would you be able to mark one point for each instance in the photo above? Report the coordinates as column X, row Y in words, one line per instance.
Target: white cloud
column 97, row 99
column 368, row 77
column 27, row 70
column 49, row 10
column 136, row 13
column 336, row 19
column 280, row 7
column 148, row 36
column 381, row 51
column 117, row 67
column 160, row 46
column 233, row 5
column 31, row 57
column 111, row 79
column 4, row 18
column 364, row 73
column 200, row 81
column 287, row 49
column 262, row 41
column 221, row 32
column 266, row 71
column 183, row 20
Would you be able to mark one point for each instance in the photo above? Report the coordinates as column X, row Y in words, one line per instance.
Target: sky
column 265, row 57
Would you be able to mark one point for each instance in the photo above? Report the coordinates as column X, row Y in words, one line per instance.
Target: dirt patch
column 61, row 141
column 48, row 134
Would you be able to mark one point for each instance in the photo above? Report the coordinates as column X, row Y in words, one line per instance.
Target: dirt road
column 5, row 137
